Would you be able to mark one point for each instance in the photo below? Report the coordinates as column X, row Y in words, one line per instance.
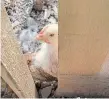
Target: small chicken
column 46, row 60
column 49, row 35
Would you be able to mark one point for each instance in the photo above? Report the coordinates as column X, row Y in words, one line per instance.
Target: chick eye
column 51, row 35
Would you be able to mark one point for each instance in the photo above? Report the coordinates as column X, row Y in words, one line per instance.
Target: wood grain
column 14, row 70
column 83, row 45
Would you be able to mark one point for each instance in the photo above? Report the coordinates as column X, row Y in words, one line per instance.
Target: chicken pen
column 83, row 48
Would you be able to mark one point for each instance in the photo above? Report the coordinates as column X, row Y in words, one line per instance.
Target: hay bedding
column 28, row 17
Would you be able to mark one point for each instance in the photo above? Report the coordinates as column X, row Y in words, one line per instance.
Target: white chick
column 47, row 58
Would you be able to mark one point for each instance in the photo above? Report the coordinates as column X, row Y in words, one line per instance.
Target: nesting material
column 28, row 17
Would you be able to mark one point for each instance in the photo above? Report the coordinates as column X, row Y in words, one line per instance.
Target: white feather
column 46, row 59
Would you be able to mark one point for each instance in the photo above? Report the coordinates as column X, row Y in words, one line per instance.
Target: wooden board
column 14, row 70
column 83, row 46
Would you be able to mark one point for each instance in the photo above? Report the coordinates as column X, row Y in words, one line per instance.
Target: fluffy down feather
column 46, row 59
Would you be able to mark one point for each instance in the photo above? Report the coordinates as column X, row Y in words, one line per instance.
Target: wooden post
column 14, row 70
column 83, row 46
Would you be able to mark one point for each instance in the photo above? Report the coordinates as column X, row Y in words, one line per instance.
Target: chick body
column 46, row 59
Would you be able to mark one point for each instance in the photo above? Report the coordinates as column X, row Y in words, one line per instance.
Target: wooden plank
column 83, row 46
column 7, row 77
column 15, row 72
column 105, row 66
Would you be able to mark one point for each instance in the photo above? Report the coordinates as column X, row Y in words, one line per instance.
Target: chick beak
column 42, row 38
column 39, row 37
